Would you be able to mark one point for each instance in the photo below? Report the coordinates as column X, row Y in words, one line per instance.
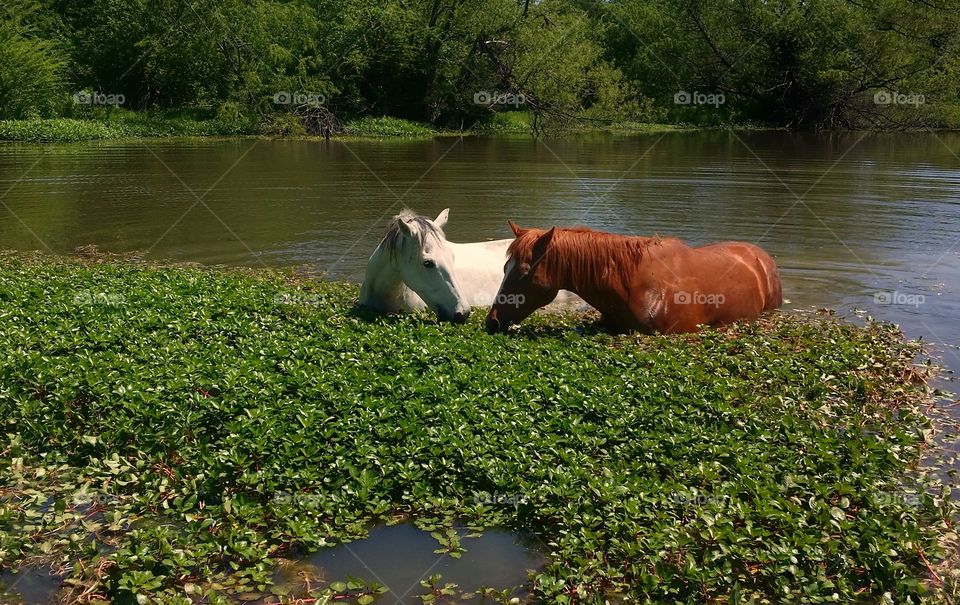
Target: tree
column 31, row 65
column 815, row 63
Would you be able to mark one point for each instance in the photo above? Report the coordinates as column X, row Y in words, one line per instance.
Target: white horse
column 415, row 266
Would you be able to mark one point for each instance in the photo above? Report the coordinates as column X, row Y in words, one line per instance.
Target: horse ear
column 517, row 230
column 547, row 237
column 404, row 226
column 441, row 219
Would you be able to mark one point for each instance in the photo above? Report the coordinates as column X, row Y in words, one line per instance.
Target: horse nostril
column 493, row 326
column 461, row 316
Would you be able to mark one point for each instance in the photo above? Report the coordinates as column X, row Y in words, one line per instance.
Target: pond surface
column 32, row 586
column 399, row 557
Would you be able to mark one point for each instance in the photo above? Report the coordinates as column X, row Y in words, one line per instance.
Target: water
column 397, row 557
column 32, row 586
column 400, row 556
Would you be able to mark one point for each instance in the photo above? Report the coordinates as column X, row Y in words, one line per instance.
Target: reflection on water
column 848, row 216
column 31, row 586
column 400, row 556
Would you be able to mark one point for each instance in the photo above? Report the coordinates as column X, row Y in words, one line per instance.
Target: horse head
column 527, row 284
column 424, row 258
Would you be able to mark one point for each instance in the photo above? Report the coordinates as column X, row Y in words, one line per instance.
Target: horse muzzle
column 494, row 325
column 457, row 317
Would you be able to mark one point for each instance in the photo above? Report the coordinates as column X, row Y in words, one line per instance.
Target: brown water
column 400, row 557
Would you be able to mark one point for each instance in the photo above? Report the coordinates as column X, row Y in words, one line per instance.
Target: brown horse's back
column 715, row 284
column 763, row 263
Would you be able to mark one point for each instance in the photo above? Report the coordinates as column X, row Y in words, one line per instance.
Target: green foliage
column 799, row 64
column 31, row 67
column 56, row 129
column 388, row 127
column 506, row 121
column 570, row 62
column 172, row 432
column 173, row 53
column 422, row 61
column 119, row 123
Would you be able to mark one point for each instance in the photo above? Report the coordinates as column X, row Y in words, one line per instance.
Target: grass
column 386, row 126
column 521, row 122
column 152, row 416
column 516, row 122
column 121, row 124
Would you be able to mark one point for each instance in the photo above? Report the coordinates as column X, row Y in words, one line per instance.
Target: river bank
column 118, row 125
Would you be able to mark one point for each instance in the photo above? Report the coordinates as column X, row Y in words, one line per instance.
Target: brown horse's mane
column 579, row 255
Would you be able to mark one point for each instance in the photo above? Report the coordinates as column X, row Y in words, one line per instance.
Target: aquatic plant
column 171, row 433
column 387, row 126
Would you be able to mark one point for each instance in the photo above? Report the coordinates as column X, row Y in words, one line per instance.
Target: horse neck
column 593, row 271
column 382, row 286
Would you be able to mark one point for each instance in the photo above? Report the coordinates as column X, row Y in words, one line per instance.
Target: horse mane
column 580, row 256
column 395, row 240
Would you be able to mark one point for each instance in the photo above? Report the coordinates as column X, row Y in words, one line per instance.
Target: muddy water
column 400, row 557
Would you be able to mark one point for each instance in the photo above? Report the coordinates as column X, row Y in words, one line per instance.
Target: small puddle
column 32, row 586
column 397, row 556
column 400, row 556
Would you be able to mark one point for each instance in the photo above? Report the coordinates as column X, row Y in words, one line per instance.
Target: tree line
column 458, row 63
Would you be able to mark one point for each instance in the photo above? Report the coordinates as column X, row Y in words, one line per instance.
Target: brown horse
column 637, row 283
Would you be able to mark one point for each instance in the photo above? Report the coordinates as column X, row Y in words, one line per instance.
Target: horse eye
column 429, row 264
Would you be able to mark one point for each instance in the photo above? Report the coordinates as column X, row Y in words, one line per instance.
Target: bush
column 98, row 123
column 30, row 67
column 386, row 126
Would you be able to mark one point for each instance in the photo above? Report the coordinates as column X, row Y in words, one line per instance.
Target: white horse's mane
column 395, row 239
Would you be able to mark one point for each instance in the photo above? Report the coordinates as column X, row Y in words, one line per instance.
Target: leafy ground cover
column 121, row 124
column 388, row 127
column 173, row 434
